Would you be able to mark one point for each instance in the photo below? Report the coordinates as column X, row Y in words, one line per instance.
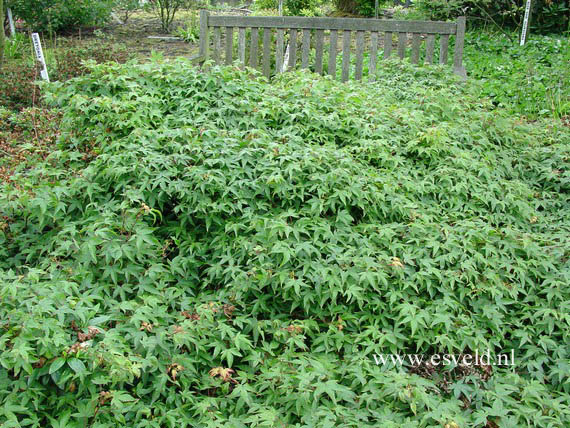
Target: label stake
column 40, row 55
column 11, row 22
column 525, row 22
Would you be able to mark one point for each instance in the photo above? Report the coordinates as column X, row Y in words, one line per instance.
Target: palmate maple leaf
column 224, row 373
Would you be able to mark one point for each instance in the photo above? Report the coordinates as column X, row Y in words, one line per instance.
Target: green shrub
column 547, row 15
column 126, row 8
column 61, row 15
column 292, row 7
column 442, row 10
column 301, row 7
column 232, row 253
column 409, row 13
column 191, row 31
column 359, row 7
column 16, row 47
column 166, row 11
column 265, row 4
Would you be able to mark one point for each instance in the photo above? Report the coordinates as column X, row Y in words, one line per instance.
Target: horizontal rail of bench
column 348, row 24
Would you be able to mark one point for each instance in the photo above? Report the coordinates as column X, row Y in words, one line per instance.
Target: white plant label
column 285, row 59
column 11, row 22
column 525, row 22
column 40, row 55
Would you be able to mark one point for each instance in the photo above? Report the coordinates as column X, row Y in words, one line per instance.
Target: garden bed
column 208, row 249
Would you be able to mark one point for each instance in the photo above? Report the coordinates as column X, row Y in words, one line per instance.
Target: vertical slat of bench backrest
column 217, row 46
column 254, row 47
column 415, row 48
column 345, row 55
column 387, row 44
column 359, row 55
column 373, row 54
column 204, row 40
column 292, row 49
column 319, row 51
column 333, row 44
column 430, row 42
column 443, row 48
column 266, row 52
column 458, row 53
column 241, row 46
column 306, row 48
column 279, row 51
column 402, row 40
column 297, row 26
column 229, row 44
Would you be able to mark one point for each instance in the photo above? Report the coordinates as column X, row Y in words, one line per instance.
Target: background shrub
column 292, row 7
column 190, row 30
column 16, row 47
column 361, row 7
column 126, row 8
column 166, row 10
column 547, row 15
column 60, row 15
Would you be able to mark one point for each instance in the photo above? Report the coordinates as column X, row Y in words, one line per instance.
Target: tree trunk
column 2, row 35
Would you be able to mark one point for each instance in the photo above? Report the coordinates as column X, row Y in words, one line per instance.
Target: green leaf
column 56, row 365
column 77, row 365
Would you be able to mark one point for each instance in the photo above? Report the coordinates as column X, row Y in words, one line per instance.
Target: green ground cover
column 531, row 80
column 208, row 249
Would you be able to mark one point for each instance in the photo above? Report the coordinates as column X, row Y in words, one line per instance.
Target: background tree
column 166, row 10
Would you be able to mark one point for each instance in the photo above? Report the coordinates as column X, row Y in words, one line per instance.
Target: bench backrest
column 304, row 32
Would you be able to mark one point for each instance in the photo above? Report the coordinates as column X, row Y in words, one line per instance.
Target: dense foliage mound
column 207, row 249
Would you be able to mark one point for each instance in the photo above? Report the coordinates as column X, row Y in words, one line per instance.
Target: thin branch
column 494, row 22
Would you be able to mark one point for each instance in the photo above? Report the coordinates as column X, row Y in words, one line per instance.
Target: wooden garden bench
column 255, row 32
